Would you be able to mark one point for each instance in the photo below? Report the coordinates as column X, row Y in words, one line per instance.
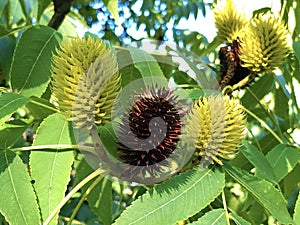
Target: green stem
column 225, row 207
column 55, row 147
column 271, row 116
column 71, row 193
column 265, row 125
column 83, row 197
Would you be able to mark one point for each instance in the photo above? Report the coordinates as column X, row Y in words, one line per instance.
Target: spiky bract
column 218, row 124
column 228, row 20
column 264, row 43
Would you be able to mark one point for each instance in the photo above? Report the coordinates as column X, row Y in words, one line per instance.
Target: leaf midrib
column 53, row 167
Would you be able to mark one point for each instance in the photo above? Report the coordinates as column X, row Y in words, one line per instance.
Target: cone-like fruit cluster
column 253, row 46
column 149, row 132
column 85, row 80
column 218, row 124
column 228, row 20
column 264, row 43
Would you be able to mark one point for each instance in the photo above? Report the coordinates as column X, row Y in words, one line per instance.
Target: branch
column 61, row 9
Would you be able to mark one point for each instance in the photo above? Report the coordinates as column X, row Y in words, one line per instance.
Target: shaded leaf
column 10, row 132
column 2, row 6
column 9, row 103
column 29, row 73
column 186, row 193
column 296, row 47
column 42, row 5
column 283, row 159
column 259, row 89
column 100, row 201
column 297, row 211
column 263, row 191
column 239, row 220
column 40, row 108
column 51, row 169
column 213, row 217
column 100, row 197
column 263, row 167
column 17, row 200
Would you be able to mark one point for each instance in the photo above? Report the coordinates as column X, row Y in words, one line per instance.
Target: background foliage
column 41, row 168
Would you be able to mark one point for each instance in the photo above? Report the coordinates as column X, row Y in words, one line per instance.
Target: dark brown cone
column 150, row 133
column 232, row 71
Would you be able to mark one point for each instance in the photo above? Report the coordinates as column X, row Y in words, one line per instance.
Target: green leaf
column 296, row 47
column 7, row 46
column 42, row 5
column 9, row 103
column 196, row 70
column 100, row 201
column 239, row 220
column 2, row 6
column 297, row 211
column 51, row 169
column 259, row 89
column 10, row 132
column 281, row 106
column 17, row 200
column 257, row 159
column 146, row 64
column 263, row 191
column 30, row 70
column 175, row 199
column 109, row 139
column 112, row 6
column 40, row 108
column 214, row 217
column 283, row 159
column 100, row 198
column 128, row 71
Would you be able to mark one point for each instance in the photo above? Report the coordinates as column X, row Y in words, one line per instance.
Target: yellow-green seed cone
column 228, row 20
column 85, row 80
column 216, row 125
column 264, row 43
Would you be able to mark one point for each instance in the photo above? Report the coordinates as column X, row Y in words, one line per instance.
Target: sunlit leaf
column 175, row 199
column 112, row 6
column 263, row 191
column 215, row 217
column 17, row 199
column 30, row 69
column 51, row 168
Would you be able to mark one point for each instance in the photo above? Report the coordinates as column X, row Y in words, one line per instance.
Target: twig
column 61, row 9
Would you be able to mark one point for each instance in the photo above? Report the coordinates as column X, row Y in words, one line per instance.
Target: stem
column 71, row 193
column 265, row 125
column 225, row 207
column 55, row 147
column 83, row 197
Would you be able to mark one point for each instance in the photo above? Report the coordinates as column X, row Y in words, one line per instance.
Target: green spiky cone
column 85, row 81
column 217, row 123
column 264, row 43
column 228, row 20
